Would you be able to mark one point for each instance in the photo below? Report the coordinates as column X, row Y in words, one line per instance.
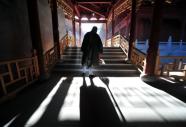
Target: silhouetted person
column 91, row 47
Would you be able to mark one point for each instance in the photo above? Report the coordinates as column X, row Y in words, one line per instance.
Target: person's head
column 94, row 29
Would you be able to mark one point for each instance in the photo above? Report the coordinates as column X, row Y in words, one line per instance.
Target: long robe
column 91, row 47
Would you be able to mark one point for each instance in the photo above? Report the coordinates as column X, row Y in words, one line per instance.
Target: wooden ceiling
column 101, row 8
column 93, row 8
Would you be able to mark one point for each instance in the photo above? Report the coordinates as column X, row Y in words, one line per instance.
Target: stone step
column 107, row 61
column 98, row 72
column 103, row 57
column 104, row 49
column 104, row 53
column 104, row 66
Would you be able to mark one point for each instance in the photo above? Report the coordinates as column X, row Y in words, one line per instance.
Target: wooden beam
column 77, row 11
column 90, row 10
column 93, row 21
column 94, row 2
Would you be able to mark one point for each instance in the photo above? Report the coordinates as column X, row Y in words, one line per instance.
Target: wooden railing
column 116, row 41
column 16, row 75
column 138, row 58
column 124, row 44
column 50, row 58
column 19, row 73
column 63, row 43
column 175, row 64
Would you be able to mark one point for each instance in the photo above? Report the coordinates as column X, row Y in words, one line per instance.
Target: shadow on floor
column 96, row 107
column 177, row 89
column 28, row 101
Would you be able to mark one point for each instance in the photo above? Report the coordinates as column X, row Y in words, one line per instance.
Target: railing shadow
column 35, row 100
column 96, row 107
column 177, row 90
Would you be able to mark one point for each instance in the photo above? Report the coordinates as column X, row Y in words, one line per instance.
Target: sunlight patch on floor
column 70, row 109
column 43, row 106
column 140, row 102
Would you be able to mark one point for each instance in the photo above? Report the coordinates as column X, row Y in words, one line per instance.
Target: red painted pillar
column 106, row 34
column 74, row 27
column 55, row 26
column 152, row 51
column 132, row 28
column 80, row 31
column 113, row 25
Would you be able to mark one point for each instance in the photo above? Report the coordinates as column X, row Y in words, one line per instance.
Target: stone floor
column 97, row 102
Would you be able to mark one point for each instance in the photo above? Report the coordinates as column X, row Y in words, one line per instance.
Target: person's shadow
column 96, row 107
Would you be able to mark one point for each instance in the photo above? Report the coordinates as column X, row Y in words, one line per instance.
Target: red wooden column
column 74, row 27
column 113, row 25
column 132, row 29
column 106, row 34
column 80, row 30
column 55, row 25
column 152, row 51
column 35, row 30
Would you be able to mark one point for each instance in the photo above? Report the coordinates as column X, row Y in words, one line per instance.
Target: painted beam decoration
column 126, row 5
column 68, row 11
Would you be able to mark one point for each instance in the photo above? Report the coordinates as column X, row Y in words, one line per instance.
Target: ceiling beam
column 77, row 11
column 93, row 21
column 91, row 10
column 94, row 2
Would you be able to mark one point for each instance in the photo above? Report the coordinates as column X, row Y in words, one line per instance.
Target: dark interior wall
column 143, row 28
column 15, row 40
column 61, row 21
column 170, row 27
column 184, row 34
column 45, row 20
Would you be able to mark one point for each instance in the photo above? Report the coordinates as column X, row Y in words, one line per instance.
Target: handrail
column 137, row 57
column 19, row 71
column 50, row 58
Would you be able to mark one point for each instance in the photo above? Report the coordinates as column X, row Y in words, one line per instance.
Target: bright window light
column 76, row 17
column 93, row 18
column 86, row 27
column 101, row 18
column 84, row 18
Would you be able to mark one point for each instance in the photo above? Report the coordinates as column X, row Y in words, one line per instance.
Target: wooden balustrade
column 50, row 58
column 124, row 44
column 63, row 44
column 173, row 64
column 138, row 58
column 16, row 75
column 116, row 41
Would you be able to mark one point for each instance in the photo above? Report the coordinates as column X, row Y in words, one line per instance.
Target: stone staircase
column 114, row 58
